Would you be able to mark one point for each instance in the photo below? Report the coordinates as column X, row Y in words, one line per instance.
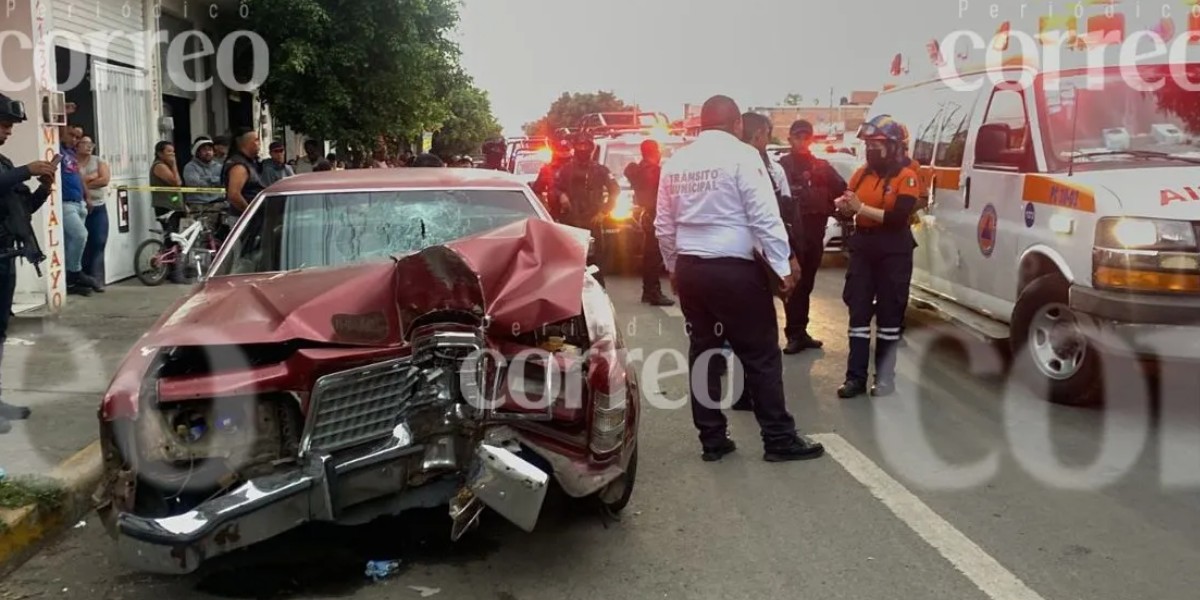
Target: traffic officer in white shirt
column 716, row 208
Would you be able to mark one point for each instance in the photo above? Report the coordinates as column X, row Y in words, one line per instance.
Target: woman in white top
column 96, row 176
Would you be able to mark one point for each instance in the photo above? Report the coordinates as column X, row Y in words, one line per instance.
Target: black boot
column 802, row 343
column 75, row 285
column 14, row 413
column 718, row 452
column 88, row 281
column 852, row 389
column 659, row 299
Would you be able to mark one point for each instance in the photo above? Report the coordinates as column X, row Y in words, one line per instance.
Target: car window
column 320, row 230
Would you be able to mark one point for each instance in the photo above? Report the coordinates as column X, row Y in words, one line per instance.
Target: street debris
column 424, row 591
column 382, row 569
column 81, row 525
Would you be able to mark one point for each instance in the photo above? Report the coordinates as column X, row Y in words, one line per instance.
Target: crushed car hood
column 522, row 275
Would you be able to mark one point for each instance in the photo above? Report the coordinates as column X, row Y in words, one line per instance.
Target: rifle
column 16, row 226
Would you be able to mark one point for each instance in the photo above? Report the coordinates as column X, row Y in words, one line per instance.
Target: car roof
column 396, row 178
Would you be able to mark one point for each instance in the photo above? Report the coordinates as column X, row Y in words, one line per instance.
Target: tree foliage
column 793, row 99
column 469, row 120
column 569, row 108
column 356, row 70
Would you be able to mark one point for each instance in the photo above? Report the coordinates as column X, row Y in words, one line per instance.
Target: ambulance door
column 992, row 220
column 924, row 132
column 947, row 189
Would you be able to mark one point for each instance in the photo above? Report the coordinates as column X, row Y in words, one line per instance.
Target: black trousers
column 8, row 288
column 877, row 281
column 728, row 299
column 810, row 234
column 652, row 261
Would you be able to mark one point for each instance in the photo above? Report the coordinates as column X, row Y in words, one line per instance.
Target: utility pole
column 831, row 110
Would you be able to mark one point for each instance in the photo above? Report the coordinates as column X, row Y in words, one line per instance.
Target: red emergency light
column 1000, row 40
column 1103, row 30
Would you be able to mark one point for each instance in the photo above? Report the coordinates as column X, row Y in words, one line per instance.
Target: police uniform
column 814, row 185
column 586, row 185
column 14, row 196
column 644, row 176
column 881, row 263
column 716, row 207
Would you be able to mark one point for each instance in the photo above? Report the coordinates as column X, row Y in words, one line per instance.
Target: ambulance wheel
column 1052, row 351
column 615, row 496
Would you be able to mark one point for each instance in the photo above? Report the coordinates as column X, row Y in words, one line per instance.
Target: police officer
column 643, row 176
column 882, row 196
column 493, row 154
column 543, row 185
column 13, row 191
column 586, row 191
column 814, row 184
column 715, row 207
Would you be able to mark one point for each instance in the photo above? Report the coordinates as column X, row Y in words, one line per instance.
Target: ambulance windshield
column 1103, row 119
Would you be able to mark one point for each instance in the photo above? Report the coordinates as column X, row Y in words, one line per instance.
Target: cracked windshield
column 546, row 300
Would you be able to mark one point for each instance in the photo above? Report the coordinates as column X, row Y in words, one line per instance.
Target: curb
column 28, row 528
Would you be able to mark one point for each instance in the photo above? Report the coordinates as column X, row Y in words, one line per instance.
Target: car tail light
column 607, row 382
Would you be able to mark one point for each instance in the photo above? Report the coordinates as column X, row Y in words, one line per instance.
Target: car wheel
column 145, row 263
column 615, row 496
column 1052, row 350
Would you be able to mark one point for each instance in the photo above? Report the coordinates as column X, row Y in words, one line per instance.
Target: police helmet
column 12, row 111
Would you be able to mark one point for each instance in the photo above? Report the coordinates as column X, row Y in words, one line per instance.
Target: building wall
column 32, row 72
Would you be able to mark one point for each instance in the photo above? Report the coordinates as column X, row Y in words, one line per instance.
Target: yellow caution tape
column 181, row 190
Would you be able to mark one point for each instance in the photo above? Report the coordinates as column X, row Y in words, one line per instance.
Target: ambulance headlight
column 1148, row 255
column 1119, row 233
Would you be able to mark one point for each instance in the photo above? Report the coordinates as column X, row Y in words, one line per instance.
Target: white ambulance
column 1063, row 215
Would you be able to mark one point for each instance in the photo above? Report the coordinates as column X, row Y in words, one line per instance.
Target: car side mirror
column 991, row 143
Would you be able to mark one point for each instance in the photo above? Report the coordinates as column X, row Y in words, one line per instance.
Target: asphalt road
column 959, row 487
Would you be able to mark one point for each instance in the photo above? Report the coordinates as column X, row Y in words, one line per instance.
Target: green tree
column 353, row 70
column 569, row 108
column 469, row 120
column 793, row 99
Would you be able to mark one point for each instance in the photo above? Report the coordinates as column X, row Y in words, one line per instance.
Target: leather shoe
column 88, row 281
column 799, row 448
column 14, row 413
column 883, row 388
column 718, row 452
column 79, row 290
column 852, row 388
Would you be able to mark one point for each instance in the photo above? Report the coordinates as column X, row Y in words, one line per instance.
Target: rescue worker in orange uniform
column 882, row 195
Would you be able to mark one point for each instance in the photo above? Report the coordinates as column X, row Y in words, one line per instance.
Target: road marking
column 988, row 575
column 672, row 311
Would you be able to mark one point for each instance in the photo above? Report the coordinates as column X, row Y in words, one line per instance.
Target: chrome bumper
column 321, row 490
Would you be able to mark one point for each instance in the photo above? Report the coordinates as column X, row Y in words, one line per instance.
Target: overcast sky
column 662, row 54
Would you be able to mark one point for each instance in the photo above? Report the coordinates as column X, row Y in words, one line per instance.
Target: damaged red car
column 369, row 342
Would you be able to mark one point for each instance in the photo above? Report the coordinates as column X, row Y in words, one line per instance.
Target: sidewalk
column 61, row 366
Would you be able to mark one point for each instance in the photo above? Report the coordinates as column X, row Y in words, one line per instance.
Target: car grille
column 358, row 406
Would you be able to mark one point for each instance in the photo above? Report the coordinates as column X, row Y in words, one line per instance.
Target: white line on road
column 988, row 575
column 672, row 311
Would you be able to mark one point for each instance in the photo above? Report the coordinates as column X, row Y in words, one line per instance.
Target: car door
column 992, row 220
column 925, row 135
column 942, row 255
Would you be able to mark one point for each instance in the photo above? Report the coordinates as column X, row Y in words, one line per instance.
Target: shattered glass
column 320, row 230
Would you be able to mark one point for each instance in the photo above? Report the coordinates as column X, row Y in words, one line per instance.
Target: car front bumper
column 1154, row 326
column 323, row 489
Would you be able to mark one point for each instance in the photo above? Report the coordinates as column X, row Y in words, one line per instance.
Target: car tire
column 1051, row 352
column 145, row 255
column 615, row 496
